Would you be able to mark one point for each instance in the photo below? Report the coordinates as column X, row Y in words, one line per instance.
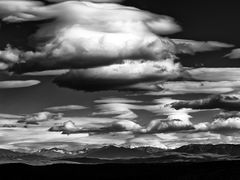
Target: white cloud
column 9, row 116
column 191, row 47
column 122, row 110
column 118, row 33
column 172, row 125
column 228, row 122
column 234, row 54
column 40, row 117
column 69, row 127
column 186, row 87
column 17, row 10
column 65, row 108
column 17, row 84
column 116, row 100
column 48, row 73
column 97, row 1
column 145, row 141
column 215, row 74
column 77, row 39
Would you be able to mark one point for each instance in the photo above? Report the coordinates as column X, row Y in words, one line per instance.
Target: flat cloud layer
column 229, row 101
column 186, row 87
column 17, row 84
column 65, row 108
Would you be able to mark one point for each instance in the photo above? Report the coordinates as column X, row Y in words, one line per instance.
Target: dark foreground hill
column 229, row 170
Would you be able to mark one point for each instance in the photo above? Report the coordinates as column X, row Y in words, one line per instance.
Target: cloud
column 118, row 76
column 225, row 122
column 72, row 41
column 17, row 84
column 172, row 120
column 145, row 141
column 214, row 74
column 122, row 110
column 118, row 126
column 65, row 108
column 48, row 73
column 116, row 100
column 17, row 10
column 70, row 127
column 191, row 47
column 234, row 54
column 10, row 116
column 229, row 101
column 36, row 118
column 96, row 1
column 188, row 87
column 174, row 125
column 9, row 56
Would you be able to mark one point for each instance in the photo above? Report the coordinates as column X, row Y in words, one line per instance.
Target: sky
column 128, row 73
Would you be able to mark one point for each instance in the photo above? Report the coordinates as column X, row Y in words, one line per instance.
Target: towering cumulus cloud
column 77, row 39
column 85, row 34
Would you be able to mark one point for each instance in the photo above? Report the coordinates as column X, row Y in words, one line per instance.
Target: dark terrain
column 110, row 162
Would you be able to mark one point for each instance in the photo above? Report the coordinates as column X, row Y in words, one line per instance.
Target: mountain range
column 115, row 154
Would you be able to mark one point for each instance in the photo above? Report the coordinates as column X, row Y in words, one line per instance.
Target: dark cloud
column 119, row 76
column 222, row 101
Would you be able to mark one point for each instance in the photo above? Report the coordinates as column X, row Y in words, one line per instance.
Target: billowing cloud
column 65, row 108
column 75, row 38
column 17, row 84
column 225, row 122
column 74, row 41
column 68, row 127
column 174, row 125
column 36, row 118
column 234, row 54
column 8, row 56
